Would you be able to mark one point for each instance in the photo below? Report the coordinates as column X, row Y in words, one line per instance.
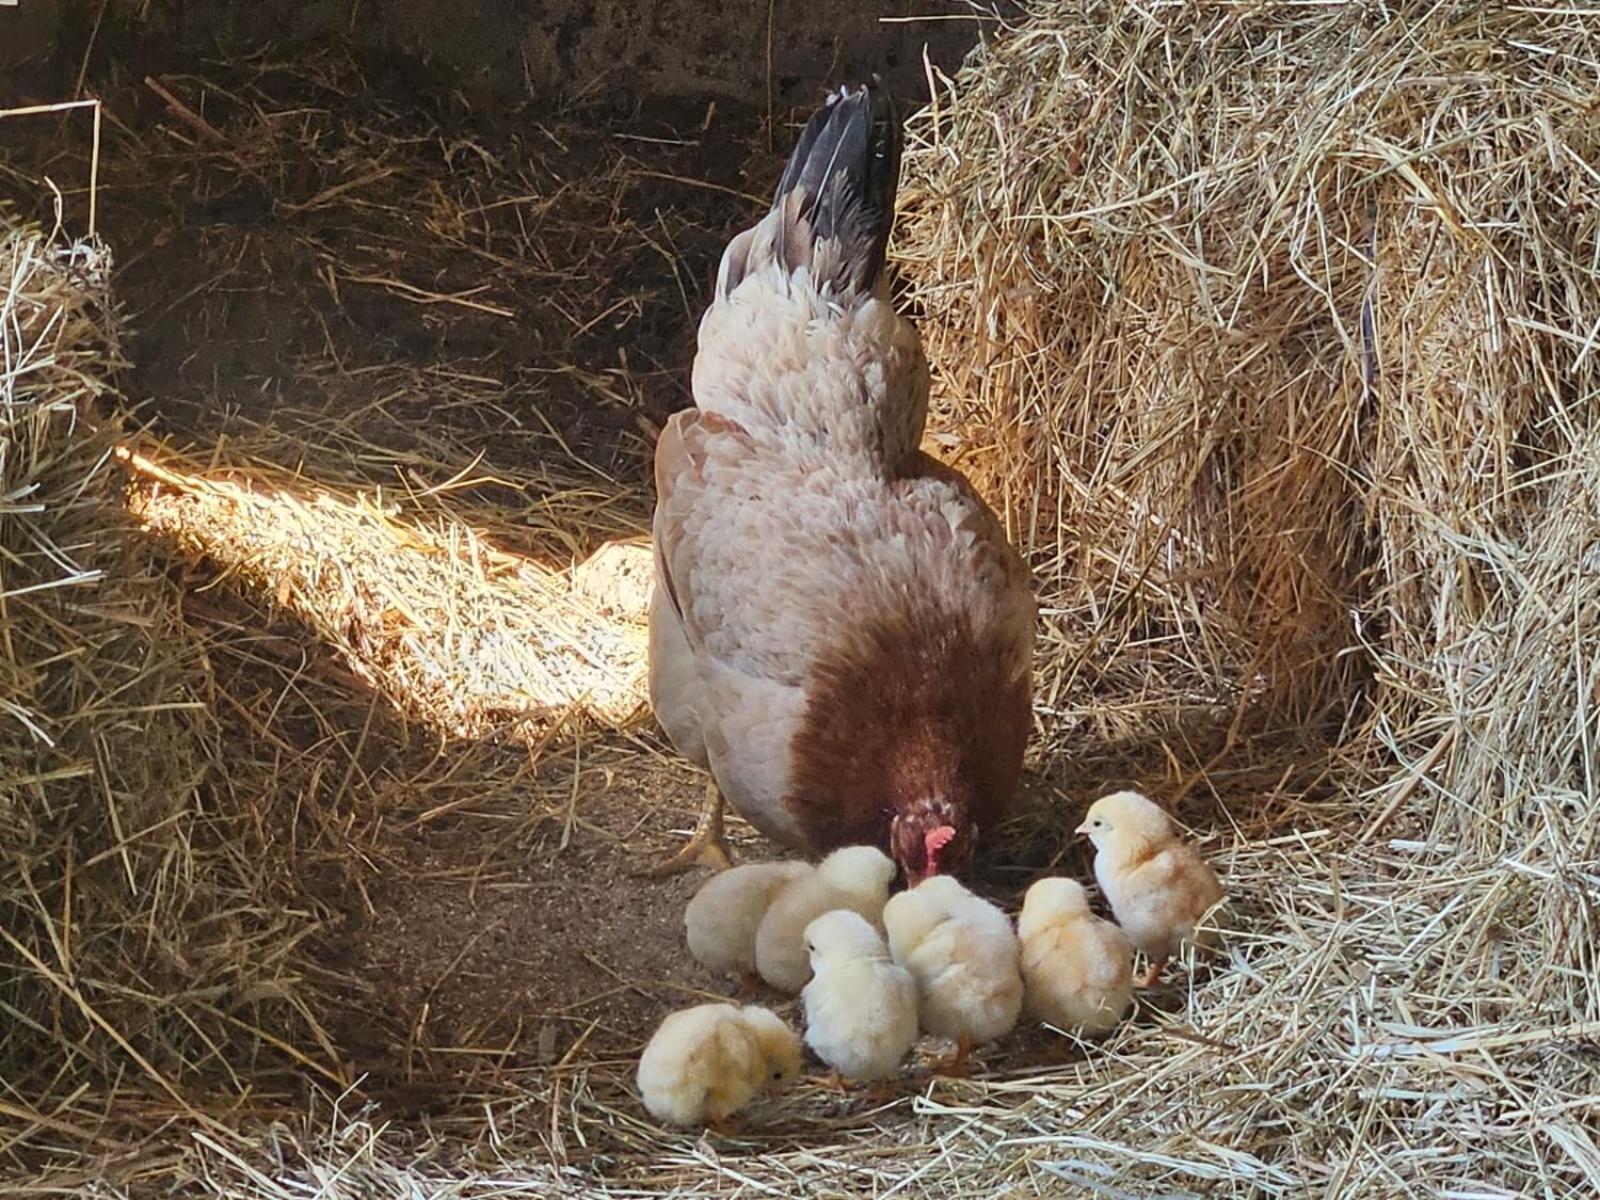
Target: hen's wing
column 674, row 680
column 991, row 573
column 720, row 548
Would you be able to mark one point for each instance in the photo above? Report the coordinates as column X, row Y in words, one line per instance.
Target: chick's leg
column 884, row 1091
column 705, row 847
column 957, row 1064
column 1154, row 973
column 749, row 986
column 833, row 1081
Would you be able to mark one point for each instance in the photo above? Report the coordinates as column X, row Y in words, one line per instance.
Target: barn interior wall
column 778, row 54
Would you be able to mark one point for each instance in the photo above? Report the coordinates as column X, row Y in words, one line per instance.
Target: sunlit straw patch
column 455, row 631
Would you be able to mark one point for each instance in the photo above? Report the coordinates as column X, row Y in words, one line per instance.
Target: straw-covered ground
column 322, row 764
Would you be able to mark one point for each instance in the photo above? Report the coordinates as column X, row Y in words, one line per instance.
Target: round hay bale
column 1241, row 314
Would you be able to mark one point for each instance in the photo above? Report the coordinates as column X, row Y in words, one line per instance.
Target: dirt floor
column 267, row 304
column 326, row 272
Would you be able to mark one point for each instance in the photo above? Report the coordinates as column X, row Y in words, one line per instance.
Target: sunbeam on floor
column 425, row 608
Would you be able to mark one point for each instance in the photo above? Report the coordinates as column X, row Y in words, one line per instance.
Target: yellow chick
column 963, row 954
column 1158, row 887
column 722, row 918
column 854, row 877
column 1077, row 970
column 860, row 1006
column 706, row 1063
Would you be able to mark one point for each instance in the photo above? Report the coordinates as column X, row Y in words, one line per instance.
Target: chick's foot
column 956, row 1064
column 833, row 1081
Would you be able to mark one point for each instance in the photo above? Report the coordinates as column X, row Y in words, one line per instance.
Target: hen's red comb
column 936, row 840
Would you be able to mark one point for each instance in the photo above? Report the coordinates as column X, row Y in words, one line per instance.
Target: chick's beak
column 1082, row 830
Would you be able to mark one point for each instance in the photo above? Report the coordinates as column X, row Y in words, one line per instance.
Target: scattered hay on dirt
column 429, row 611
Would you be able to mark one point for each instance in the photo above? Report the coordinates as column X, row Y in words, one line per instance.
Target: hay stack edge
column 1275, row 331
column 144, row 946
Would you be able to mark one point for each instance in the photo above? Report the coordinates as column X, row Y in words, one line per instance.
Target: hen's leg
column 705, row 847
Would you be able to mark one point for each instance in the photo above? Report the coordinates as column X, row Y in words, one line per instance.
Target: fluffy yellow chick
column 1077, row 970
column 1158, row 887
column 965, row 958
column 860, row 1006
column 722, row 918
column 854, row 877
column 706, row 1063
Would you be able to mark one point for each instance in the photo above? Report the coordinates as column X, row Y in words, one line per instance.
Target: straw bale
column 1143, row 239
column 1272, row 327
column 135, row 950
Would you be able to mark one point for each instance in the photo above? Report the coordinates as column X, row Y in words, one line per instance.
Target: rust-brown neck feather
column 903, row 708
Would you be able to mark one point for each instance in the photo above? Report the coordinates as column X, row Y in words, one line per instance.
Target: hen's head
column 930, row 838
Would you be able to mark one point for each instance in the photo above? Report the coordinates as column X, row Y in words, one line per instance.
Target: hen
column 840, row 630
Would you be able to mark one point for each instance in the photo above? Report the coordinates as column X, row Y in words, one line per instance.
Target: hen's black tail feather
column 840, row 186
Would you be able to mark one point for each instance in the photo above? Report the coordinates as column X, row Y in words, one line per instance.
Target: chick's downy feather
column 721, row 920
column 707, row 1062
column 1157, row 885
column 860, row 1006
column 856, row 878
column 1077, row 970
column 963, row 954
column 841, row 631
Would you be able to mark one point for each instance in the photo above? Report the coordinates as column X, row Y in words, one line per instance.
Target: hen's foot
column 706, row 846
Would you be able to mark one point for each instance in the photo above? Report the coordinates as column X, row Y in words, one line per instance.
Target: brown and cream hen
column 840, row 630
